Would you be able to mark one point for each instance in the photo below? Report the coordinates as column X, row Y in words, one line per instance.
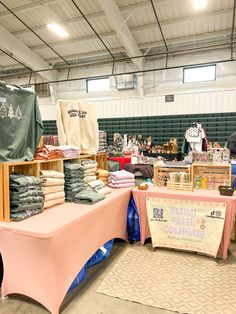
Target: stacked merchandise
column 74, row 180
column 26, row 196
column 53, row 187
column 121, row 179
column 49, row 140
column 88, row 196
column 70, row 151
column 48, row 152
column 90, row 169
column 102, row 146
column 103, row 175
column 99, row 187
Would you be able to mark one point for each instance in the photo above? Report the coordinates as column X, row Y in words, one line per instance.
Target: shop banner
column 186, row 224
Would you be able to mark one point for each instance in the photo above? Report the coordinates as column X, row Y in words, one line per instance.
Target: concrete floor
column 84, row 299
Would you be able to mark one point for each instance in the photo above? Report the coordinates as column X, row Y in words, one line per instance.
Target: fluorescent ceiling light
column 57, row 29
column 200, row 4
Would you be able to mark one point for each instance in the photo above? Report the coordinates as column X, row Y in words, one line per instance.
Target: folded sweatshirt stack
column 102, row 146
column 121, row 179
column 53, row 187
column 90, row 169
column 99, row 187
column 26, row 196
column 88, row 196
column 103, row 175
column 74, row 180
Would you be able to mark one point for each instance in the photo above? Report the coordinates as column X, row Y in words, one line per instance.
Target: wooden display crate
column 163, row 171
column 220, row 172
column 54, row 164
column 30, row 168
column 101, row 159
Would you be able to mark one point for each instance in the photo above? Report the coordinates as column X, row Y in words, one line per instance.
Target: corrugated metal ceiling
column 178, row 19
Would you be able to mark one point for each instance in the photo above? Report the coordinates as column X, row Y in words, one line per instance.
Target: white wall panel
column 192, row 103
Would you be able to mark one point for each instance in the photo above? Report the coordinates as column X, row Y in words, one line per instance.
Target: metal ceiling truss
column 91, row 26
column 133, row 72
column 199, row 49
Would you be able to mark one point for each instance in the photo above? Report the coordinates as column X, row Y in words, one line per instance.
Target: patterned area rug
column 175, row 281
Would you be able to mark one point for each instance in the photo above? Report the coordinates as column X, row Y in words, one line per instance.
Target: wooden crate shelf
column 30, row 168
column 163, row 171
column 55, row 164
column 220, row 172
column 102, row 162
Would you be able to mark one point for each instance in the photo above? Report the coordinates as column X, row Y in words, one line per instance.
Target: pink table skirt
column 43, row 254
column 205, row 195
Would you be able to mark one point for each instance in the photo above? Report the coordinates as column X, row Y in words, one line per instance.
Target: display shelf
column 31, row 168
column 161, row 172
column 102, row 162
column 54, row 164
column 220, row 172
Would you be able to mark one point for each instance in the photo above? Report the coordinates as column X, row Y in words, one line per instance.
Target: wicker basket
column 142, row 187
column 226, row 190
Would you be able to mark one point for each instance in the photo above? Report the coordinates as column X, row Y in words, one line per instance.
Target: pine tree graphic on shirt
column 3, row 110
column 18, row 113
column 11, row 112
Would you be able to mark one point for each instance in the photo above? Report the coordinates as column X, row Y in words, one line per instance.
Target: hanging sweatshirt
column 77, row 125
column 20, row 123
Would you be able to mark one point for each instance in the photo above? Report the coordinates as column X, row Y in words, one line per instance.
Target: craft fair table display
column 43, row 254
column 185, row 206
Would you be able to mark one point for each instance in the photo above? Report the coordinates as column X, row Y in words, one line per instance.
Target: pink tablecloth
column 211, row 196
column 43, row 254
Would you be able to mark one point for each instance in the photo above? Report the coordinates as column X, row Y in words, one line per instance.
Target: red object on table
column 121, row 161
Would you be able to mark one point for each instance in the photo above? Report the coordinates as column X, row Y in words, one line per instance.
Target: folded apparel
column 88, row 163
column 52, row 181
column 120, row 185
column 20, row 207
column 15, row 195
column 53, row 202
column 88, row 197
column 74, row 185
column 96, row 185
column 90, row 170
column 121, row 174
column 51, row 174
column 120, row 181
column 89, row 178
column 28, row 199
column 53, row 196
column 25, row 214
column 23, row 180
column 105, row 190
column 52, row 189
column 75, row 180
column 72, row 166
column 74, row 175
column 102, row 173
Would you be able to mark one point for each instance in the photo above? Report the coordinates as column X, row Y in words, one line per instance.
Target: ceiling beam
column 133, row 30
column 24, row 54
column 128, row 9
column 117, row 21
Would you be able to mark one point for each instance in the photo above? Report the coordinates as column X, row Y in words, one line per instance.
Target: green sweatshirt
column 20, row 123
